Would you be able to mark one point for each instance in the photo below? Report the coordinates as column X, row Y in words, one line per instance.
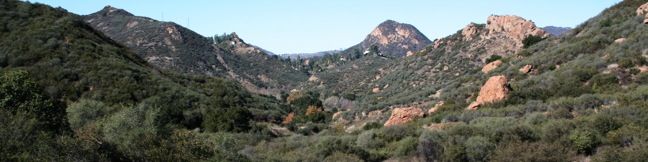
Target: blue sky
column 295, row 26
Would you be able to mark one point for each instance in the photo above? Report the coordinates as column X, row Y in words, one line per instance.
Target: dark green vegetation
column 69, row 93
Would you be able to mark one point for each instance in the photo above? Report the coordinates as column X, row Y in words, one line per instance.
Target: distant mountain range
column 557, row 31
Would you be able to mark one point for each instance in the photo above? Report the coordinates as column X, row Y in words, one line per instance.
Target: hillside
column 573, row 98
column 350, row 70
column 169, row 46
column 69, row 93
column 92, row 88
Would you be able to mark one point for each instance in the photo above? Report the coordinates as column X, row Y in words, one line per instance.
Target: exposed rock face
column 502, row 35
column 526, row 69
column 620, row 40
column 404, row 115
column 395, row 39
column 469, row 31
column 490, row 66
column 514, row 27
column 643, row 11
column 495, row 89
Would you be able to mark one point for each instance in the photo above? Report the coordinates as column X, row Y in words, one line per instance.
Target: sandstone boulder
column 375, row 90
column 495, row 89
column 490, row 66
column 620, row 40
column 404, row 115
column 313, row 78
column 526, row 69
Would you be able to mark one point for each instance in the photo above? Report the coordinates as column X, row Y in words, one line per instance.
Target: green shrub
column 227, row 119
column 430, row 145
column 20, row 94
column 493, row 58
column 406, row 146
column 533, row 152
column 86, row 111
column 478, row 148
column 530, row 40
column 369, row 140
column 584, row 140
column 338, row 156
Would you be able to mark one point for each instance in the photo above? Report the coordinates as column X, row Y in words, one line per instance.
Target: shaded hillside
column 170, row 46
column 113, row 105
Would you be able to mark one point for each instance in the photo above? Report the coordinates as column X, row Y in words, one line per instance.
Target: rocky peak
column 513, row 27
column 395, row 39
column 111, row 11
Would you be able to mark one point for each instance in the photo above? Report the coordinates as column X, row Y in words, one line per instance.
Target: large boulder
column 490, row 66
column 404, row 115
column 495, row 89
column 526, row 69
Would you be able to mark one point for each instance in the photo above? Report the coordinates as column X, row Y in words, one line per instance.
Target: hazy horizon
column 291, row 26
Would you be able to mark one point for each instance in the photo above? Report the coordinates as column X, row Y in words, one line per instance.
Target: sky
column 304, row 26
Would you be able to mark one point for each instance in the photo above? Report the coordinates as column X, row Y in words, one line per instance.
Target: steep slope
column 119, row 108
column 170, row 46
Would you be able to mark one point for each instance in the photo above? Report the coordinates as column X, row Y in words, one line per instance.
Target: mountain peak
column 110, row 11
column 396, row 39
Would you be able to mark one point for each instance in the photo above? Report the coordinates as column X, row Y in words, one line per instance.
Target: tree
column 531, row 40
column 227, row 119
column 20, row 94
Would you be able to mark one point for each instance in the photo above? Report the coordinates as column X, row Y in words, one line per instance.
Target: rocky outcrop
column 643, row 11
column 502, row 35
column 395, row 39
column 404, row 115
column 469, row 31
column 490, row 66
column 514, row 27
column 526, row 69
column 495, row 89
